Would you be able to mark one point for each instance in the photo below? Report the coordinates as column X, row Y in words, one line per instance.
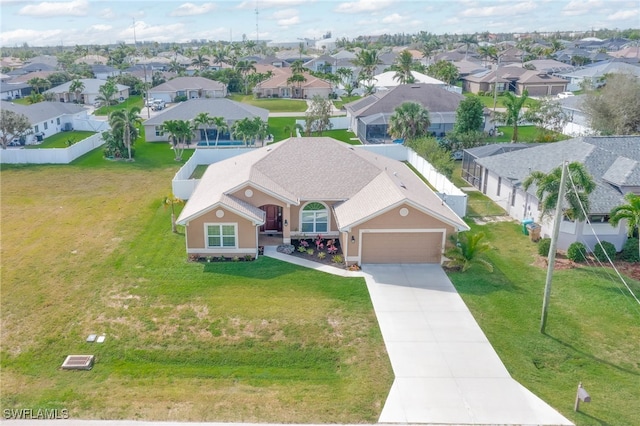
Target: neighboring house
column 466, row 67
column 47, row 118
column 387, row 80
column 515, row 79
column 191, row 87
column 89, row 94
column 378, row 209
column 579, row 121
column 10, row 91
column 594, row 75
column 278, row 86
column 232, row 111
column 549, row 66
column 103, row 72
column 613, row 162
column 369, row 117
column 630, row 54
column 324, row 63
column 472, row 172
column 26, row 77
column 92, row 60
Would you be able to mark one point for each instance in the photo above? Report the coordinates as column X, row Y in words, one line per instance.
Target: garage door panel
column 401, row 247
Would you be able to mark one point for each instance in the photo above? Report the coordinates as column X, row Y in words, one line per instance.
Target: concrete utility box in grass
column 534, row 231
column 78, row 362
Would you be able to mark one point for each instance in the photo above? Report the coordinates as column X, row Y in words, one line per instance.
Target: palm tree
column 200, row 61
column 107, row 91
column 244, row 68
column 409, row 121
column 297, row 67
column 548, row 189
column 260, row 128
column 34, row 98
column 367, row 60
column 404, row 67
column 170, row 201
column 513, row 105
column 445, row 71
column 39, row 84
column 292, row 128
column 175, row 66
column 203, row 120
column 468, row 40
column 630, row 212
column 488, row 52
column 468, row 251
column 77, row 86
column 125, row 122
column 243, row 129
column 179, row 132
column 297, row 79
column 221, row 126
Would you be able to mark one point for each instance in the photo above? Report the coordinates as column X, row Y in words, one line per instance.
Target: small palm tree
column 170, row 201
column 630, row 212
column 404, row 67
column 125, row 122
column 297, row 80
column 179, row 132
column 203, row 120
column 548, row 190
column 468, row 251
column 77, row 86
column 409, row 121
column 513, row 105
column 221, row 126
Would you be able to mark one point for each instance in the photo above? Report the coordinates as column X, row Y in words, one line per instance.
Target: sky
column 87, row 22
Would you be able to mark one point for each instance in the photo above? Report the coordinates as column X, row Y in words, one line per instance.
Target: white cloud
column 363, row 6
column 623, row 15
column 48, row 9
column 501, row 10
column 107, row 13
column 289, row 21
column 33, row 37
column 581, row 7
column 285, row 13
column 171, row 32
column 100, row 27
column 190, row 9
column 270, row 4
column 394, row 18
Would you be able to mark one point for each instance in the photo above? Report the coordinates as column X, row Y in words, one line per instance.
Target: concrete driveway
column 446, row 371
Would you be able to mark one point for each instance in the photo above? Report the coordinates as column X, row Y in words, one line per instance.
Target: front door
column 273, row 220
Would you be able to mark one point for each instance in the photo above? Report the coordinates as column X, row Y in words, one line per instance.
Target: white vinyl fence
column 337, row 123
column 455, row 198
column 51, row 155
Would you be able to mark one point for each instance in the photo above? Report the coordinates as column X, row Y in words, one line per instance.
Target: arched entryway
column 273, row 219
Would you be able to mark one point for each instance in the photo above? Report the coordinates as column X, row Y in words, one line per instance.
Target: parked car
column 158, row 105
column 563, row 95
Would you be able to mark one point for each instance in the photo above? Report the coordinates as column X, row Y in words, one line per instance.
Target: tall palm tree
column 630, row 212
column 548, row 189
column 221, row 126
column 203, row 120
column 124, row 122
column 297, row 67
column 513, row 105
column 39, row 84
column 77, row 86
column 488, row 52
column 297, row 80
column 367, row 60
column 468, row 251
column 445, row 71
column 468, row 40
column 244, row 68
column 200, row 61
column 409, row 121
column 403, row 67
column 243, row 129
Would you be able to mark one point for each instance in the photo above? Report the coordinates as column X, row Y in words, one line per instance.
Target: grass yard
column 240, row 342
column 272, row 104
column 487, row 100
column 343, row 135
column 62, row 139
column 131, row 101
column 282, row 127
column 592, row 329
column 345, row 100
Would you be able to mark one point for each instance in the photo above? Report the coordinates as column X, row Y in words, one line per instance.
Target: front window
column 315, row 218
column 36, row 129
column 221, row 236
column 159, row 131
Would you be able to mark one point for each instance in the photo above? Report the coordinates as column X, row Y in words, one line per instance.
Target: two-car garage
column 401, row 246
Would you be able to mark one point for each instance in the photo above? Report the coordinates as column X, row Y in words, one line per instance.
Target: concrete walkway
column 446, row 371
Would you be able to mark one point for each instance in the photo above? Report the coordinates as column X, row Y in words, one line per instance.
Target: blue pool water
column 221, row 143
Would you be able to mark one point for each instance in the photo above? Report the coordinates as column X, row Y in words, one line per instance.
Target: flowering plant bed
column 319, row 249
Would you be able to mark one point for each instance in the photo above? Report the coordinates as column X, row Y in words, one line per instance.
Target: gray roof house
column 90, row 92
column 613, row 162
column 191, row 87
column 216, row 107
column 47, row 118
column 369, row 116
column 594, row 74
column 376, row 207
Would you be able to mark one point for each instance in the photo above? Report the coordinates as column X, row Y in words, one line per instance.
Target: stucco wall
column 195, row 234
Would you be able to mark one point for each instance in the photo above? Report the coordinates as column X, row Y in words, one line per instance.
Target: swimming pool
column 221, row 143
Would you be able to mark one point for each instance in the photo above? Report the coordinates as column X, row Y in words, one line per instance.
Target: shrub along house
column 379, row 210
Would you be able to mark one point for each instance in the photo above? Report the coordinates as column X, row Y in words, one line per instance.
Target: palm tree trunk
column 174, row 228
column 128, row 139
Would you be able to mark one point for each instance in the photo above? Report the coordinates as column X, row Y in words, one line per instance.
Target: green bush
column 630, row 251
column 543, row 247
column 604, row 251
column 577, row 252
column 180, row 98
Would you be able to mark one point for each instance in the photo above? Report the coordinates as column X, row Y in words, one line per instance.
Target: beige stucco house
column 379, row 210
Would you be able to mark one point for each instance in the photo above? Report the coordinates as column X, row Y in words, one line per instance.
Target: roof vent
column 402, row 185
column 78, row 362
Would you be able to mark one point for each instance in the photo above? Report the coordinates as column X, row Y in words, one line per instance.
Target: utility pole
column 553, row 247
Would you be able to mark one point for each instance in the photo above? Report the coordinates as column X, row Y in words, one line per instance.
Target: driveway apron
column 446, row 371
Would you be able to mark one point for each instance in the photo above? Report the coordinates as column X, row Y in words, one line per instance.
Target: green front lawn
column 592, row 330
column 487, row 100
column 261, row 341
column 345, row 100
column 131, row 101
column 62, row 139
column 272, row 104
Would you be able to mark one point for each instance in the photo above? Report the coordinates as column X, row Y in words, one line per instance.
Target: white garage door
column 401, row 247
